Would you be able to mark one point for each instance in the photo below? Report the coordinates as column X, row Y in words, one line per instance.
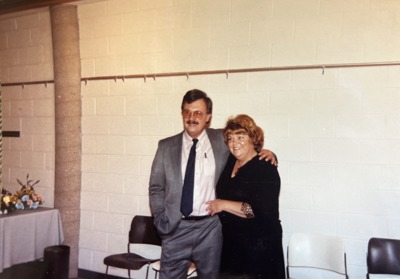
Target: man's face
column 195, row 117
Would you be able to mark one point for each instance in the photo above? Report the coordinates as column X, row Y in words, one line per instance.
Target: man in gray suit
column 196, row 237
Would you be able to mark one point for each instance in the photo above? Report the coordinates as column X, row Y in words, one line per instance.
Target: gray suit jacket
column 166, row 179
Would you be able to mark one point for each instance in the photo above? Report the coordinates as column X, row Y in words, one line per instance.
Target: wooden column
column 67, row 77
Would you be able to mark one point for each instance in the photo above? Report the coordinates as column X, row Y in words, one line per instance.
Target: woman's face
column 241, row 146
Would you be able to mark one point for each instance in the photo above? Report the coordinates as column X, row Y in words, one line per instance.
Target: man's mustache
column 190, row 122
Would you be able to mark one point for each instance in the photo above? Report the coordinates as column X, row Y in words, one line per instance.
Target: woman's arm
column 240, row 209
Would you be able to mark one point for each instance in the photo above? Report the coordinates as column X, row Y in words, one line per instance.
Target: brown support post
column 67, row 86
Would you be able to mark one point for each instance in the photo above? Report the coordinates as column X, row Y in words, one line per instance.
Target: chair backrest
column 143, row 231
column 383, row 256
column 317, row 251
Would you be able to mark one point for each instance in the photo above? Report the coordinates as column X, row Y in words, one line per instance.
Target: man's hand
column 268, row 156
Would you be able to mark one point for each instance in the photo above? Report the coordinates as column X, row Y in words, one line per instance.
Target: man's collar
column 188, row 139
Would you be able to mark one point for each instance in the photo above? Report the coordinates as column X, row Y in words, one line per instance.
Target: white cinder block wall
column 25, row 56
column 336, row 132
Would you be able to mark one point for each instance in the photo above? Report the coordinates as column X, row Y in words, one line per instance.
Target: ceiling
column 12, row 6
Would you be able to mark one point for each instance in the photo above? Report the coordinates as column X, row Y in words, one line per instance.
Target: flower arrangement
column 7, row 202
column 26, row 197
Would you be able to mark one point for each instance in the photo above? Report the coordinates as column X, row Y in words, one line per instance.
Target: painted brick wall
column 336, row 132
column 26, row 55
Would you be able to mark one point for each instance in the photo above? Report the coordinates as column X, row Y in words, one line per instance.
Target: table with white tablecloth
column 25, row 233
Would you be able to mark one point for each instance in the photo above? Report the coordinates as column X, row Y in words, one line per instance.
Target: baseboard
column 88, row 274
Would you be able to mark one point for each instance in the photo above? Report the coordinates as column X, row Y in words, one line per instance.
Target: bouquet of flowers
column 26, row 197
column 7, row 202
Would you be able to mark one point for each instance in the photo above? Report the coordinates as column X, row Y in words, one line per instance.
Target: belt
column 195, row 218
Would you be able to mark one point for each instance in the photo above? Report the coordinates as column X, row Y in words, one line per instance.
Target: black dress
column 252, row 246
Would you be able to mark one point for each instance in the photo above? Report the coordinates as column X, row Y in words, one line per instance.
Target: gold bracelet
column 247, row 210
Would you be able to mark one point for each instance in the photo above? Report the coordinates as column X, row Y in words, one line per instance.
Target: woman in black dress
column 248, row 206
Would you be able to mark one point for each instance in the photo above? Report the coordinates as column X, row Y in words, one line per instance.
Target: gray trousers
column 197, row 241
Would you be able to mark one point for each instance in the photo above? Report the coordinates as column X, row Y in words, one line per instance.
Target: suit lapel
column 219, row 150
column 175, row 155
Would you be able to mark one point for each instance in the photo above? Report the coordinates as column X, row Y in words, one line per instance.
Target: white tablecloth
column 25, row 233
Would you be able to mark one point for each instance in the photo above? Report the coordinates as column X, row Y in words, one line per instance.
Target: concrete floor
column 30, row 270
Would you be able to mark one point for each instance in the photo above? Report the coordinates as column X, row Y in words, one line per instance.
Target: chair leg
column 147, row 271
column 106, row 275
column 129, row 273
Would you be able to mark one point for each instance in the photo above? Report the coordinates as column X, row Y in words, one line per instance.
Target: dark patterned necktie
column 188, row 184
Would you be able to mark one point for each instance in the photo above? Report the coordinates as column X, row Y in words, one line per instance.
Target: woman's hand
column 215, row 206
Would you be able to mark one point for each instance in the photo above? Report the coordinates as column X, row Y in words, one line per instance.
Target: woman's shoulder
column 263, row 167
column 262, row 163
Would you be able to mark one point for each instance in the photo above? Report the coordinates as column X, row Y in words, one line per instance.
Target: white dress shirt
column 204, row 177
